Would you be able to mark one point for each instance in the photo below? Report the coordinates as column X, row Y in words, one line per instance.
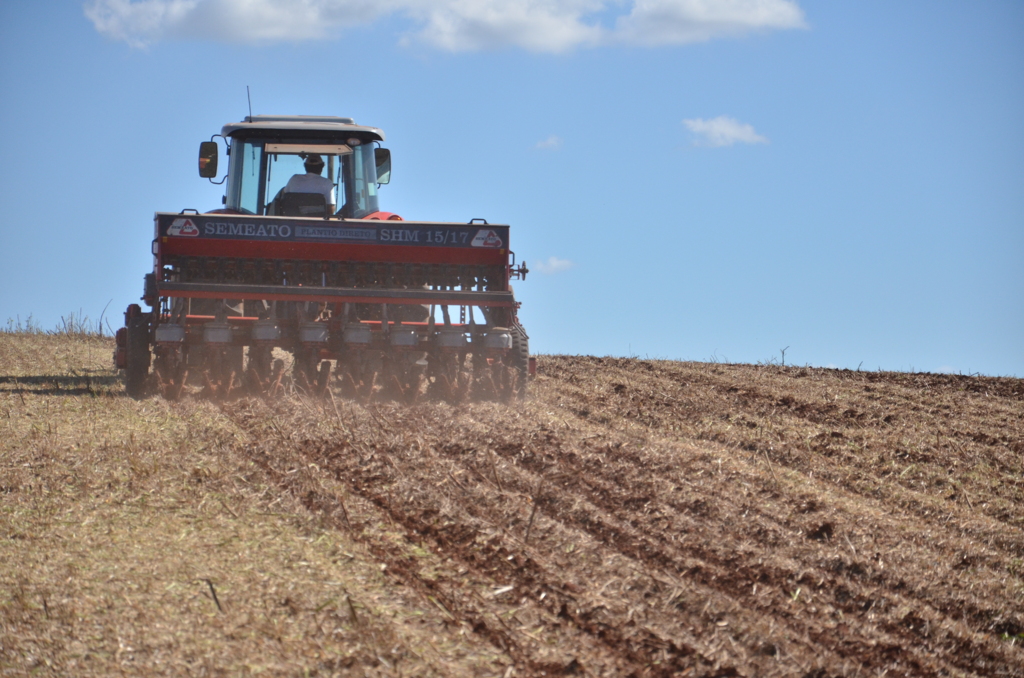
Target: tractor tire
column 138, row 358
column 519, row 358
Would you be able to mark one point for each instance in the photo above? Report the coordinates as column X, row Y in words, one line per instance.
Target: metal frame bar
column 334, row 294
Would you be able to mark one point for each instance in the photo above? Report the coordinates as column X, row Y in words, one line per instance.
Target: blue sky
column 687, row 179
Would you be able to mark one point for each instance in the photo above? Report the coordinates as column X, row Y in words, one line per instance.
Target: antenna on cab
column 249, row 97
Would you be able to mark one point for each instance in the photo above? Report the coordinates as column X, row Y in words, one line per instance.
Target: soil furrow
column 629, row 518
column 601, row 501
column 500, row 561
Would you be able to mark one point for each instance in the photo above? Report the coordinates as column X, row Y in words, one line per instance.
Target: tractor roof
column 305, row 123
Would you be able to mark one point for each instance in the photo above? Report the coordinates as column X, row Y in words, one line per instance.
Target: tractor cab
column 267, row 151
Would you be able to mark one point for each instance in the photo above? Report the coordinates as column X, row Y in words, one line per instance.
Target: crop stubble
column 662, row 518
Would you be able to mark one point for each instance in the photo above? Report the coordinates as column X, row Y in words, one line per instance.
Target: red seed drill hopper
column 302, row 261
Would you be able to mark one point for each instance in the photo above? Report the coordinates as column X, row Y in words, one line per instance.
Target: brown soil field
column 628, row 518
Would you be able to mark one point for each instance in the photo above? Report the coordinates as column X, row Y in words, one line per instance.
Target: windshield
column 262, row 172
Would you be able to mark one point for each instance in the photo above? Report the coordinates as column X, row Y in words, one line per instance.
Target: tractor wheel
column 519, row 358
column 138, row 358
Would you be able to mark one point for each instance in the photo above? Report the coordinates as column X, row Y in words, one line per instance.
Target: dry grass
column 135, row 537
column 631, row 518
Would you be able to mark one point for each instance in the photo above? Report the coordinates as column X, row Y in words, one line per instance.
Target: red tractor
column 301, row 266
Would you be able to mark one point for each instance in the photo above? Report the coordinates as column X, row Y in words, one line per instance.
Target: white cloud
column 658, row 22
column 452, row 25
column 144, row 22
column 553, row 265
column 535, row 25
column 723, row 131
column 551, row 142
column 138, row 23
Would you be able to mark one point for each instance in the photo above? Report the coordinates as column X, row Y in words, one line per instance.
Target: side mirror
column 208, row 159
column 383, row 159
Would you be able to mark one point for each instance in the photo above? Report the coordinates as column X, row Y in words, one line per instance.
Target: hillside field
column 628, row 518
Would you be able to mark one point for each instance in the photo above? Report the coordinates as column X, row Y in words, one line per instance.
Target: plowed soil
column 628, row 518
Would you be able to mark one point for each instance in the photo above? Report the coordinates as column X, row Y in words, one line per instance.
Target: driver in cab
column 312, row 181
